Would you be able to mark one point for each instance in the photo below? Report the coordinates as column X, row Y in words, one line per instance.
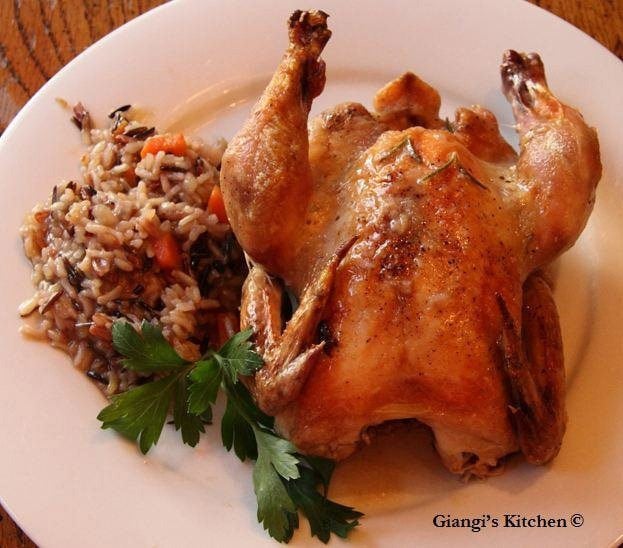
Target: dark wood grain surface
column 38, row 37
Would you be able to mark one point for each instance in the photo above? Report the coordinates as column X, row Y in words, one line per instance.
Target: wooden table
column 39, row 37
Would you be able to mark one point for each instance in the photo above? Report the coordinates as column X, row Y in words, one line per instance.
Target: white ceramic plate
column 197, row 65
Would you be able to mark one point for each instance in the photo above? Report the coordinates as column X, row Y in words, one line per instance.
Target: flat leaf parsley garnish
column 284, row 481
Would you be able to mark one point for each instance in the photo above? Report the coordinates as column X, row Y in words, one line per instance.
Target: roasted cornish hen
column 413, row 249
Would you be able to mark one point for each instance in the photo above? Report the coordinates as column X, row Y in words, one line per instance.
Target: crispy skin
column 408, row 101
column 478, row 130
column 533, row 371
column 408, row 246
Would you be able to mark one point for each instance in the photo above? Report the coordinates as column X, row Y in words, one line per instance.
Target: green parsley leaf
column 275, row 508
column 190, row 424
column 243, row 401
column 324, row 516
column 147, row 352
column 277, row 451
column 275, row 460
column 206, row 377
column 140, row 413
column 237, row 356
column 284, row 481
column 322, row 467
column 236, row 432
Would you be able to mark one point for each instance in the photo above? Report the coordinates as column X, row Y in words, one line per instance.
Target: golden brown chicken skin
column 414, row 251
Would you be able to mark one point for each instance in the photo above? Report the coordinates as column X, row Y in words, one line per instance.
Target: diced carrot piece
column 130, row 176
column 216, row 204
column 171, row 143
column 167, row 251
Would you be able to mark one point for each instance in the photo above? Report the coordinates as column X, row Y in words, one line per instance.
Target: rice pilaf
column 132, row 240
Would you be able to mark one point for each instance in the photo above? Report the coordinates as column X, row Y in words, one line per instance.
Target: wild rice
column 91, row 245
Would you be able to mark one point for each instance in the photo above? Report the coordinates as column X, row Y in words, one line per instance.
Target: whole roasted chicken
column 396, row 259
